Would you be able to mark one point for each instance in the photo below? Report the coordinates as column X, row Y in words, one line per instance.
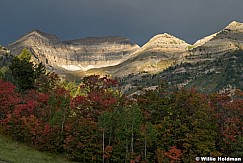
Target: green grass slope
column 14, row 152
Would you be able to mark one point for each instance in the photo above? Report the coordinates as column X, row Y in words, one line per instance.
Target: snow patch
column 77, row 67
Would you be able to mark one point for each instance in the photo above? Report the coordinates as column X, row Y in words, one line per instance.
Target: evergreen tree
column 24, row 71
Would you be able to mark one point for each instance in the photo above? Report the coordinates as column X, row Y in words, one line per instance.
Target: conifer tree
column 24, row 71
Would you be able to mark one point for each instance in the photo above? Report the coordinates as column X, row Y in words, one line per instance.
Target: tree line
column 94, row 121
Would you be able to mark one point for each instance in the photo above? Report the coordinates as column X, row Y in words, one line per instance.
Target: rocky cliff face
column 160, row 52
column 119, row 57
column 227, row 40
column 81, row 54
column 166, row 43
column 213, row 64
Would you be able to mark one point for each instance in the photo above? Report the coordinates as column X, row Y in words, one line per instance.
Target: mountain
column 213, row 63
column 80, row 54
column 112, row 55
column 210, row 64
column 228, row 39
column 160, row 52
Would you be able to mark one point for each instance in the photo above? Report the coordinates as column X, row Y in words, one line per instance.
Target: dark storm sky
column 138, row 20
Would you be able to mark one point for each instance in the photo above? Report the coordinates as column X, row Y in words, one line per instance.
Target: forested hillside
column 93, row 121
column 206, row 75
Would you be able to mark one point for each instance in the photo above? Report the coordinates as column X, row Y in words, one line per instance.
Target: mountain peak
column 165, row 43
column 166, row 38
column 226, row 33
column 34, row 36
column 164, row 35
column 233, row 24
column 39, row 33
column 36, row 31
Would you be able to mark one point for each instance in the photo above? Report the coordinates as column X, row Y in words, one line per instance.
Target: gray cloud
column 138, row 20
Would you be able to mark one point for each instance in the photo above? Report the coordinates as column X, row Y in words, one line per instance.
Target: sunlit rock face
column 119, row 57
column 226, row 40
column 80, row 54
column 166, row 43
column 160, row 52
column 164, row 50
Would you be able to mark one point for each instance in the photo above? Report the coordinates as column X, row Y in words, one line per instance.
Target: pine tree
column 24, row 71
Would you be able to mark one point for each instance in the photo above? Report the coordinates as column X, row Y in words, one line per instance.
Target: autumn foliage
column 100, row 124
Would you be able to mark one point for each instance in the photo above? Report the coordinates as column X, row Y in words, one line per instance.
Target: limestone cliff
column 166, row 43
column 80, row 54
column 212, row 64
column 227, row 40
column 119, row 57
column 160, row 52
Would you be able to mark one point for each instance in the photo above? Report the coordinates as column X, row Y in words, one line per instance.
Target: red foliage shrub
column 8, row 100
column 174, row 154
column 26, row 117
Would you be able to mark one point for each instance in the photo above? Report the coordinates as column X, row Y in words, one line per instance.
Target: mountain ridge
column 74, row 54
column 214, row 66
column 117, row 56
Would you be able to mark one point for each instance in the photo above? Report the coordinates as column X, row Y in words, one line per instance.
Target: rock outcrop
column 227, row 40
column 119, row 57
column 160, row 52
column 81, row 54
column 213, row 63
column 166, row 43
column 210, row 65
